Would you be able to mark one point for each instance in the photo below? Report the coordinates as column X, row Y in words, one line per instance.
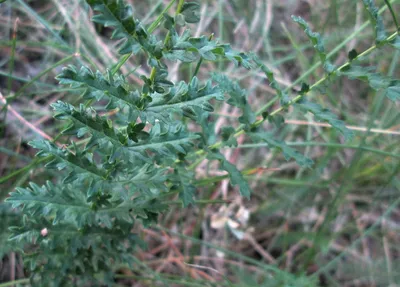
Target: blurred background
column 337, row 224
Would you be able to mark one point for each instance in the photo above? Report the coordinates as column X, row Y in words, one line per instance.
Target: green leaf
column 9, row 217
column 305, row 88
column 191, row 12
column 67, row 204
column 81, row 161
column 238, row 97
column 352, row 55
column 324, row 115
column 99, row 87
column 288, row 152
column 63, row 251
column 396, row 43
column 228, row 138
column 375, row 80
column 236, row 177
column 393, row 92
column 188, row 190
column 317, row 42
column 132, row 146
column 181, row 99
column 284, row 98
column 189, row 49
column 376, row 20
column 116, row 14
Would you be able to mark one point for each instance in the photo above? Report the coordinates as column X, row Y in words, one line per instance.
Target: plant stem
column 393, row 14
column 332, row 145
column 38, row 76
column 155, row 24
column 168, row 37
column 120, row 63
column 241, row 131
column 13, row 283
column 153, row 74
column 21, row 170
column 316, row 65
column 201, row 201
column 178, row 10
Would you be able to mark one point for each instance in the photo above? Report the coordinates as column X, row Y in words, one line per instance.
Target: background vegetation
column 337, row 224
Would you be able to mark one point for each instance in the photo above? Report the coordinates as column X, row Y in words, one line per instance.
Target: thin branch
column 25, row 122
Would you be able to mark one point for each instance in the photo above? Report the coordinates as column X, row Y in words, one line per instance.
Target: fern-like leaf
column 116, row 14
column 376, row 20
column 288, row 152
column 324, row 115
column 182, row 99
column 238, row 97
column 236, row 177
column 375, row 80
column 63, row 250
column 131, row 144
column 188, row 49
column 317, row 41
column 68, row 204
column 283, row 96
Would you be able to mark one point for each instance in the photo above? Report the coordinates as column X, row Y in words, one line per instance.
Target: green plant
column 142, row 152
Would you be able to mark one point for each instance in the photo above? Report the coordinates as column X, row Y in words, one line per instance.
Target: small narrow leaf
column 376, row 20
column 235, row 175
column 393, row 92
column 304, row 89
column 353, row 55
column 114, row 13
column 284, row 98
column 227, row 134
column 324, row 115
column 375, row 80
column 288, row 152
column 191, row 12
column 238, row 97
column 387, row 2
column 396, row 43
column 317, row 42
column 188, row 190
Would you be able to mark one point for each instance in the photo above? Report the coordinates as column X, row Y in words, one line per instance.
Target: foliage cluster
column 131, row 149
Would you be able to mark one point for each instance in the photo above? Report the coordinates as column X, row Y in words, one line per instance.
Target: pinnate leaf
column 376, row 20
column 288, row 152
column 236, row 177
column 317, row 42
column 238, row 97
column 324, row 115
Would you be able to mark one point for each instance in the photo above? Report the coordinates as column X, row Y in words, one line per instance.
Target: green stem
column 196, row 71
column 201, row 201
column 38, row 76
column 179, row 281
column 21, row 170
column 319, row 63
column 178, row 10
column 120, row 63
column 153, row 74
column 241, row 131
column 322, row 80
column 393, row 14
column 13, row 283
column 333, row 145
column 155, row 24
